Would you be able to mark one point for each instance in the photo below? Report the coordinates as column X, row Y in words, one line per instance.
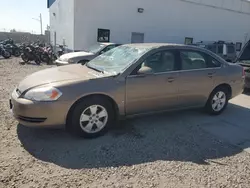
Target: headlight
column 71, row 61
column 43, row 94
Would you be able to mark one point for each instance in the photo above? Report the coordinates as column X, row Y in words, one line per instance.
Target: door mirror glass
column 145, row 71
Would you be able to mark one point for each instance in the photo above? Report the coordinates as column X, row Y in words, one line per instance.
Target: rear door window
column 191, row 60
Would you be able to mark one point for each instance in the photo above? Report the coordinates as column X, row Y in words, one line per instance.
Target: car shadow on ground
column 175, row 136
column 34, row 63
column 2, row 58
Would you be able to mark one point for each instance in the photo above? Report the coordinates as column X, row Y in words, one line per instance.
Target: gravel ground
column 156, row 151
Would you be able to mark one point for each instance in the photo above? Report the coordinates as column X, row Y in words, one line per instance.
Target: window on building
column 103, row 35
column 238, row 46
column 188, row 40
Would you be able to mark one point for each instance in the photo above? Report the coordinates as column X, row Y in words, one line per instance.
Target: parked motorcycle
column 3, row 52
column 61, row 50
column 31, row 53
column 13, row 49
column 21, row 47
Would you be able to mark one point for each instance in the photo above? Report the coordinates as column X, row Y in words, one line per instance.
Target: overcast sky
column 18, row 14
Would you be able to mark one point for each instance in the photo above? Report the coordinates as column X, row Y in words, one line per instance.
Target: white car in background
column 85, row 56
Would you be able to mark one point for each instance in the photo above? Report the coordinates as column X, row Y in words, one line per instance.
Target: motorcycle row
column 37, row 52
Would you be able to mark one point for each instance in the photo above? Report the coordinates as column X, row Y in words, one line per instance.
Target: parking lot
column 177, row 149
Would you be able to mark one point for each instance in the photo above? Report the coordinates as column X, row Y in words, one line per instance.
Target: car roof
column 152, row 46
column 160, row 45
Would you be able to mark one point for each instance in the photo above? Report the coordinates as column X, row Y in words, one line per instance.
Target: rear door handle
column 170, row 79
column 211, row 74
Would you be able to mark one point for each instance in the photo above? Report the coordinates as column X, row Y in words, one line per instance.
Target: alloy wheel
column 93, row 119
column 219, row 101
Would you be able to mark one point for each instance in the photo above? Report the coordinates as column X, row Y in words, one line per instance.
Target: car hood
column 68, row 56
column 75, row 72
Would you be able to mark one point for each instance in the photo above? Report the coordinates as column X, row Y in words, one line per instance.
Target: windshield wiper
column 94, row 68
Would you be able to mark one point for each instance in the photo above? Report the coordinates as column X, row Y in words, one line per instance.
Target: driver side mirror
column 145, row 71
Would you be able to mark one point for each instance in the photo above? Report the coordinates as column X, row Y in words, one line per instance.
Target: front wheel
column 25, row 58
column 45, row 59
column 6, row 54
column 91, row 117
column 217, row 101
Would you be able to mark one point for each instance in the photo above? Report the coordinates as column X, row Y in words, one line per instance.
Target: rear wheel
column 17, row 53
column 218, row 101
column 91, row 117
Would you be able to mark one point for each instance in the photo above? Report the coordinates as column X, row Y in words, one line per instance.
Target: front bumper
column 61, row 63
column 39, row 114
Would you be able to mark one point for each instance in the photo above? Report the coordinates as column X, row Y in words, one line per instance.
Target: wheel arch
column 105, row 96
column 226, row 86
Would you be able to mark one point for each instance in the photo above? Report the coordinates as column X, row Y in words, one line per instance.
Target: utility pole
column 41, row 22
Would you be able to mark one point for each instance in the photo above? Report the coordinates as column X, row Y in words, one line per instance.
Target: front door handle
column 170, row 79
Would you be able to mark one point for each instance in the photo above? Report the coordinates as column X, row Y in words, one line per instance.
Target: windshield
column 118, row 59
column 95, row 48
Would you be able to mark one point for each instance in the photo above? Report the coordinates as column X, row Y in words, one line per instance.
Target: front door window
column 160, row 62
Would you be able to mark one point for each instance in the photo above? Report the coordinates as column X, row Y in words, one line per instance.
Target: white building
column 77, row 23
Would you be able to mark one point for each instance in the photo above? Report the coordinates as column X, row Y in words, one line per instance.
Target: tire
column 88, row 127
column 38, row 62
column 45, row 59
column 6, row 54
column 222, row 94
column 17, row 53
column 25, row 58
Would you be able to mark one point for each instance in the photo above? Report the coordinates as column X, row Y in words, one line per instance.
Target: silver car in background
column 85, row 56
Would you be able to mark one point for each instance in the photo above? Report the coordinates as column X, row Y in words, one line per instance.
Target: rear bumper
column 237, row 88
